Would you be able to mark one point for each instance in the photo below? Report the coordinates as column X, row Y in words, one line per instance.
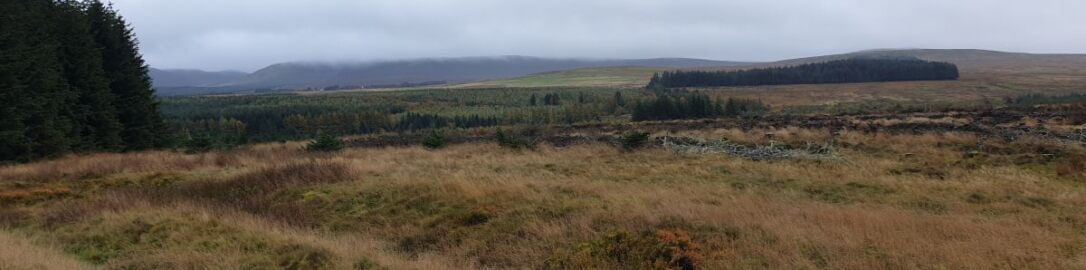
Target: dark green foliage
column 207, row 142
column 619, row 100
column 325, row 142
column 33, row 89
column 694, row 106
column 839, row 71
column 274, row 117
column 56, row 80
column 96, row 125
column 127, row 75
column 514, row 141
column 416, row 121
column 434, row 141
column 552, row 99
column 199, row 145
column 634, row 139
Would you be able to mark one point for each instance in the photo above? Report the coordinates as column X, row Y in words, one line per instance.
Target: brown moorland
column 883, row 199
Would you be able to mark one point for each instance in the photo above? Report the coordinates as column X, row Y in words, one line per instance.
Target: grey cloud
column 249, row 34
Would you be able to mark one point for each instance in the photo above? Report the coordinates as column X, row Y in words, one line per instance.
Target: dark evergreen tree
column 129, row 82
column 694, row 106
column 66, row 67
column 551, row 99
column 16, row 52
column 434, row 141
column 33, row 88
column 325, row 142
column 96, row 124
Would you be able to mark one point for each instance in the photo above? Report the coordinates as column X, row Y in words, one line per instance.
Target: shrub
column 510, row 140
column 634, row 139
column 325, row 143
column 434, row 141
column 199, row 145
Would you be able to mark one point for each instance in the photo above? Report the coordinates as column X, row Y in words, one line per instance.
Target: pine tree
column 33, row 87
column 325, row 142
column 129, row 82
column 14, row 142
column 96, row 124
column 62, row 63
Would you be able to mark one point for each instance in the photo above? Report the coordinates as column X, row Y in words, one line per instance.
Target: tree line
column 838, row 71
column 72, row 80
column 694, row 106
column 279, row 117
column 418, row 121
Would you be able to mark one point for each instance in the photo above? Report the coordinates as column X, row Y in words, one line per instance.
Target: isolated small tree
column 434, row 141
column 199, row 144
column 510, row 140
column 551, row 99
column 325, row 143
column 532, row 102
column 634, row 139
column 621, row 102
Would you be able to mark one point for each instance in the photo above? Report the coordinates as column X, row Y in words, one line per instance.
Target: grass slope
column 888, row 201
column 592, row 77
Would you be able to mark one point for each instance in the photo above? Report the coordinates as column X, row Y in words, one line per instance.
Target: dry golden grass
column 888, row 202
column 20, row 253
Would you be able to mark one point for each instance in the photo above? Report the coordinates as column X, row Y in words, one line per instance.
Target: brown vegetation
column 887, row 198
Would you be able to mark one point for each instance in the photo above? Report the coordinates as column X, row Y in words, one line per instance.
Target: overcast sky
column 249, row 34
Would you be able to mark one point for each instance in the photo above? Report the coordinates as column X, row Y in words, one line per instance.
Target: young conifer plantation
column 72, row 80
column 837, row 71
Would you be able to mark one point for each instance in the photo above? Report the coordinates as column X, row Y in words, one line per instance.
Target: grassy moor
column 391, row 135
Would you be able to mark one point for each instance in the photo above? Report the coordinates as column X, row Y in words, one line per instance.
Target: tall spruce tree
column 96, row 124
column 14, row 142
column 129, row 82
column 71, row 79
column 33, row 87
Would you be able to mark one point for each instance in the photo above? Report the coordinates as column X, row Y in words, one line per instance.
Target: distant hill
column 524, row 71
column 162, row 78
column 984, row 65
column 419, row 71
column 452, row 70
column 968, row 60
